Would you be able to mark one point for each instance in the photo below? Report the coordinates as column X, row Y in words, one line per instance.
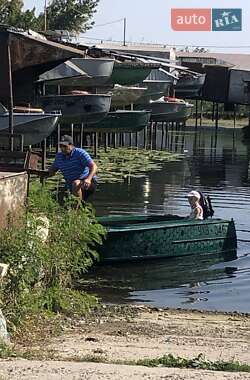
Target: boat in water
column 78, row 107
column 168, row 109
column 34, row 124
column 121, row 121
column 141, row 237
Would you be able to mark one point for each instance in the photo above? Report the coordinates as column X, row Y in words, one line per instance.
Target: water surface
column 217, row 163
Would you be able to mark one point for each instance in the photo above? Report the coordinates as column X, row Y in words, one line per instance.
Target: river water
column 216, row 163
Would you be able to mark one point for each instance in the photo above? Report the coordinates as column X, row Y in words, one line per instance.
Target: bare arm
column 92, row 172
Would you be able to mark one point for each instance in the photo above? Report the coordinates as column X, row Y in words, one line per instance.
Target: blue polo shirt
column 74, row 166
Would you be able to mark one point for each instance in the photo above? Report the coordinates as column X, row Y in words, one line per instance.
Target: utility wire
column 108, row 23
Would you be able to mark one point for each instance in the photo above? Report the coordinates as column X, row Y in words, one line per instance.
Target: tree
column 11, row 13
column 71, row 15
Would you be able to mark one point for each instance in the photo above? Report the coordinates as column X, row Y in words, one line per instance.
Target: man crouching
column 77, row 168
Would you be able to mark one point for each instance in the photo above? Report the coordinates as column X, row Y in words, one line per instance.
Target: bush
column 42, row 273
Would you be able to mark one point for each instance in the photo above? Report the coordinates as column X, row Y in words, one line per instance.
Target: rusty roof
column 31, row 55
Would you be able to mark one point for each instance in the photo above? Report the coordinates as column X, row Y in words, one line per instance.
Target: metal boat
column 80, row 73
column 82, row 108
column 121, row 121
column 34, row 126
column 125, row 95
column 141, row 237
column 190, row 86
column 168, row 110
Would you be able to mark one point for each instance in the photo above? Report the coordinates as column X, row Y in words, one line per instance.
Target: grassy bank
column 48, row 249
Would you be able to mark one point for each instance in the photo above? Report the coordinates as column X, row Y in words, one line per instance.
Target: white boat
column 168, row 109
column 34, row 125
column 125, row 95
column 80, row 73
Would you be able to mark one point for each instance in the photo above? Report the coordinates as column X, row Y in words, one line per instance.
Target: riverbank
column 114, row 340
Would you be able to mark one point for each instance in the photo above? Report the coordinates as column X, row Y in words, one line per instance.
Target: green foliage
column 11, row 13
column 199, row 362
column 42, row 273
column 71, row 15
column 6, row 350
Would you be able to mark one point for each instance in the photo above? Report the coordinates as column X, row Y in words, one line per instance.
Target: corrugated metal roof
column 236, row 61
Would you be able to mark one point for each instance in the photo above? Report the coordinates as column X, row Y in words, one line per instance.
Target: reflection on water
column 216, row 163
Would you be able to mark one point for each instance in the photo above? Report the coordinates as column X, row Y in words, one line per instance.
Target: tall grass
column 42, row 273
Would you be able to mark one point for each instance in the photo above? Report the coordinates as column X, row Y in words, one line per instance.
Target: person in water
column 77, row 168
column 196, row 209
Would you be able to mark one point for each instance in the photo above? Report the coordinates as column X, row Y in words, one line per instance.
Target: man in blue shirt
column 77, row 168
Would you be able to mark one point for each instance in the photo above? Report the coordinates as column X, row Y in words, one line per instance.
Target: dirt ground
column 91, row 348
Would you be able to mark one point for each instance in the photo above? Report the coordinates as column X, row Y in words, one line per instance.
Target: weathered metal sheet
column 30, row 57
column 239, row 89
column 13, row 190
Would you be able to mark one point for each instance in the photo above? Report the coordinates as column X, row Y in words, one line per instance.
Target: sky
column 150, row 21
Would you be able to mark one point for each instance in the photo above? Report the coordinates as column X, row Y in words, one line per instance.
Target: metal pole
column 196, row 113
column 11, row 121
column 81, row 135
column 124, row 31
column 45, row 15
column 201, row 113
column 58, row 136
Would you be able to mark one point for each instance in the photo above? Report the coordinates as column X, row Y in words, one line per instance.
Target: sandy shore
column 91, row 348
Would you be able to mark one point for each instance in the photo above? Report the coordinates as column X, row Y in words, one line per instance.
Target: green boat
column 121, row 121
column 130, row 73
column 140, row 237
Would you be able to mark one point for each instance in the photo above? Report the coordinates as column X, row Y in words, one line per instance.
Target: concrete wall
column 13, row 191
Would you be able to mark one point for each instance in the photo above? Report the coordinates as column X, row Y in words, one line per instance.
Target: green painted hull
column 121, row 122
column 130, row 74
column 154, row 237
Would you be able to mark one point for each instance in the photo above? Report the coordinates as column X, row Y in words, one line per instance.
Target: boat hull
column 34, row 128
column 168, row 111
column 75, row 109
column 82, row 72
column 142, row 237
column 129, row 75
column 121, row 122
column 190, row 87
column 155, row 90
